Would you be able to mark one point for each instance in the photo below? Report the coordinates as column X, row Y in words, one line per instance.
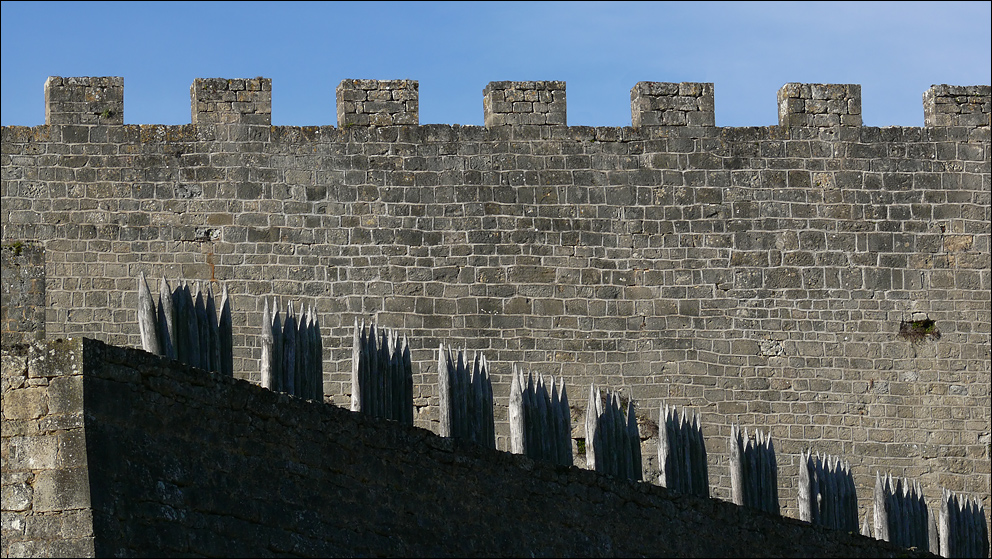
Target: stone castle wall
column 776, row 277
column 23, row 293
column 113, row 452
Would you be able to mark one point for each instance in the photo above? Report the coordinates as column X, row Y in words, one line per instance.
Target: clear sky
column 895, row 50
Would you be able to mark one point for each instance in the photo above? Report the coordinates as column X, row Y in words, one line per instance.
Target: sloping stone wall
column 44, row 472
column 178, row 461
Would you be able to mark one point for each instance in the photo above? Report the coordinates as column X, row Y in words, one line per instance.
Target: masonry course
column 759, row 275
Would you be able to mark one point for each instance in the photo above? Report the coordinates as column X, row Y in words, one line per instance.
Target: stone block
column 65, row 395
column 71, row 449
column 669, row 104
column 16, row 497
column 75, row 547
column 25, row 403
column 30, row 549
column 31, row 452
column 59, row 490
column 12, row 524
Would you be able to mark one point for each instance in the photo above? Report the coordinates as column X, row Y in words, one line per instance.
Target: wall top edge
column 431, row 133
column 376, row 103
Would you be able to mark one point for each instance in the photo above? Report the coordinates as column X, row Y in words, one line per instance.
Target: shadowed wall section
column 176, row 461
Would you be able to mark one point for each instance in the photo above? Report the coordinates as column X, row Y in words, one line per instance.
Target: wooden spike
column 356, row 354
column 289, row 350
column 147, row 320
column 265, row 363
column 225, row 327
column 590, row 425
column 444, row 392
column 518, row 428
column 213, row 332
column 166, row 320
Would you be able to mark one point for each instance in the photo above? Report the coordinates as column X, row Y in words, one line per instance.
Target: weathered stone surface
column 57, row 490
column 65, row 395
column 16, row 497
column 30, row 403
column 759, row 274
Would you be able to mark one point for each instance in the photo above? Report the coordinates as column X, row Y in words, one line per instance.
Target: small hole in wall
column 580, row 446
column 919, row 330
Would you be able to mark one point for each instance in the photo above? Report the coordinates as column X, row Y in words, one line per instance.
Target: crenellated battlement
column 86, row 100
column 822, row 280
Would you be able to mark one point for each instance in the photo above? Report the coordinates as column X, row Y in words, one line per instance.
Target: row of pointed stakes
column 540, row 419
column 753, row 471
column 381, row 374
column 292, row 352
column 682, row 453
column 827, row 494
column 903, row 518
column 540, row 428
column 901, row 515
column 465, row 398
column 613, row 442
column 186, row 327
column 961, row 527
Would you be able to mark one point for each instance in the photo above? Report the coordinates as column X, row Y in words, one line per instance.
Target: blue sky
column 895, row 50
